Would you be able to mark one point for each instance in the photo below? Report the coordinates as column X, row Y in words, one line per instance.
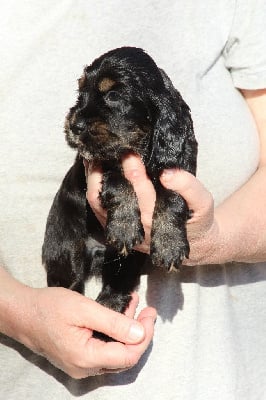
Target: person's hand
column 59, row 323
column 202, row 228
column 135, row 172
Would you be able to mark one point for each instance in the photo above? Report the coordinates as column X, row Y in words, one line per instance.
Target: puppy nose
column 79, row 125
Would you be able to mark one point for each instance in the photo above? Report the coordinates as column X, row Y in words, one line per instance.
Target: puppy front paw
column 169, row 247
column 170, row 257
column 124, row 232
column 169, row 243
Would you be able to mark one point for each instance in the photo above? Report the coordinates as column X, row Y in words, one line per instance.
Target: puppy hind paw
column 115, row 301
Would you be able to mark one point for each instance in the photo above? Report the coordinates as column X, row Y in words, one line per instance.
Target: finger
column 190, row 188
column 94, row 186
column 114, row 355
column 135, row 172
column 93, row 315
column 134, row 168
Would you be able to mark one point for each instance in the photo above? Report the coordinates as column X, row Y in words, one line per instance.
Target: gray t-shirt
column 210, row 340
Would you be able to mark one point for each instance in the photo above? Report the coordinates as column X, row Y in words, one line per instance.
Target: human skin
column 58, row 323
column 216, row 235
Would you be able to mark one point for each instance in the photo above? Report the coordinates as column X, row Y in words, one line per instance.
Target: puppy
column 125, row 104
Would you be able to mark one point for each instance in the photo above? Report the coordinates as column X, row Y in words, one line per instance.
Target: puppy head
column 114, row 113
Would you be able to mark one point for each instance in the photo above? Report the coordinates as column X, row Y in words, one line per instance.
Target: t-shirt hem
column 252, row 81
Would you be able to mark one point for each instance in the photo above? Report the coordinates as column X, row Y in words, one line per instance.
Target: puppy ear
column 173, row 144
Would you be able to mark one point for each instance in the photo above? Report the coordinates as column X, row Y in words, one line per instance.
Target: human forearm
column 236, row 230
column 15, row 307
column 242, row 222
column 241, row 217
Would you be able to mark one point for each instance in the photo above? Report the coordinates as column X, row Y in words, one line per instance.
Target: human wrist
column 206, row 248
column 15, row 308
column 232, row 243
column 211, row 244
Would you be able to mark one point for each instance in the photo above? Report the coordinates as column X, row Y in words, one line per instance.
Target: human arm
column 57, row 323
column 242, row 215
column 233, row 231
column 238, row 225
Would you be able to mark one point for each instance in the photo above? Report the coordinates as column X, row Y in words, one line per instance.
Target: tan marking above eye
column 106, row 84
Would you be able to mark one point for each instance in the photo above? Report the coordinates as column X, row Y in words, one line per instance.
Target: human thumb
column 198, row 198
column 113, row 324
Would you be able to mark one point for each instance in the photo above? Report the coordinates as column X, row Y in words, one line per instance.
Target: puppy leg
column 169, row 244
column 68, row 268
column 69, row 251
column 120, row 278
column 123, row 227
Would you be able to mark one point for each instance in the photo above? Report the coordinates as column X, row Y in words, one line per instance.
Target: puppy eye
column 112, row 96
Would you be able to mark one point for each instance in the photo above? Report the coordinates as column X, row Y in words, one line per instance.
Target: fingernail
column 136, row 333
column 135, row 173
column 168, row 173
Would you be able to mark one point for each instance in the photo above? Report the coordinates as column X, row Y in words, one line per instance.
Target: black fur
column 126, row 104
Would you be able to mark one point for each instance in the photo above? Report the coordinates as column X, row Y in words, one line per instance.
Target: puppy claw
column 170, row 258
column 124, row 251
column 173, row 268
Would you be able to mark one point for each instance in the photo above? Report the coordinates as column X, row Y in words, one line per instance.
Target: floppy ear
column 173, row 144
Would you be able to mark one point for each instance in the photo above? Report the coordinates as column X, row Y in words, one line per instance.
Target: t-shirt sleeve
column 245, row 51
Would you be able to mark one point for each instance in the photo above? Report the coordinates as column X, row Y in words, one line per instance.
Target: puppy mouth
column 95, row 140
column 99, row 130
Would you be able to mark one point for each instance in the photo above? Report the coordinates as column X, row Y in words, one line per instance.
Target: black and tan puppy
column 125, row 104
